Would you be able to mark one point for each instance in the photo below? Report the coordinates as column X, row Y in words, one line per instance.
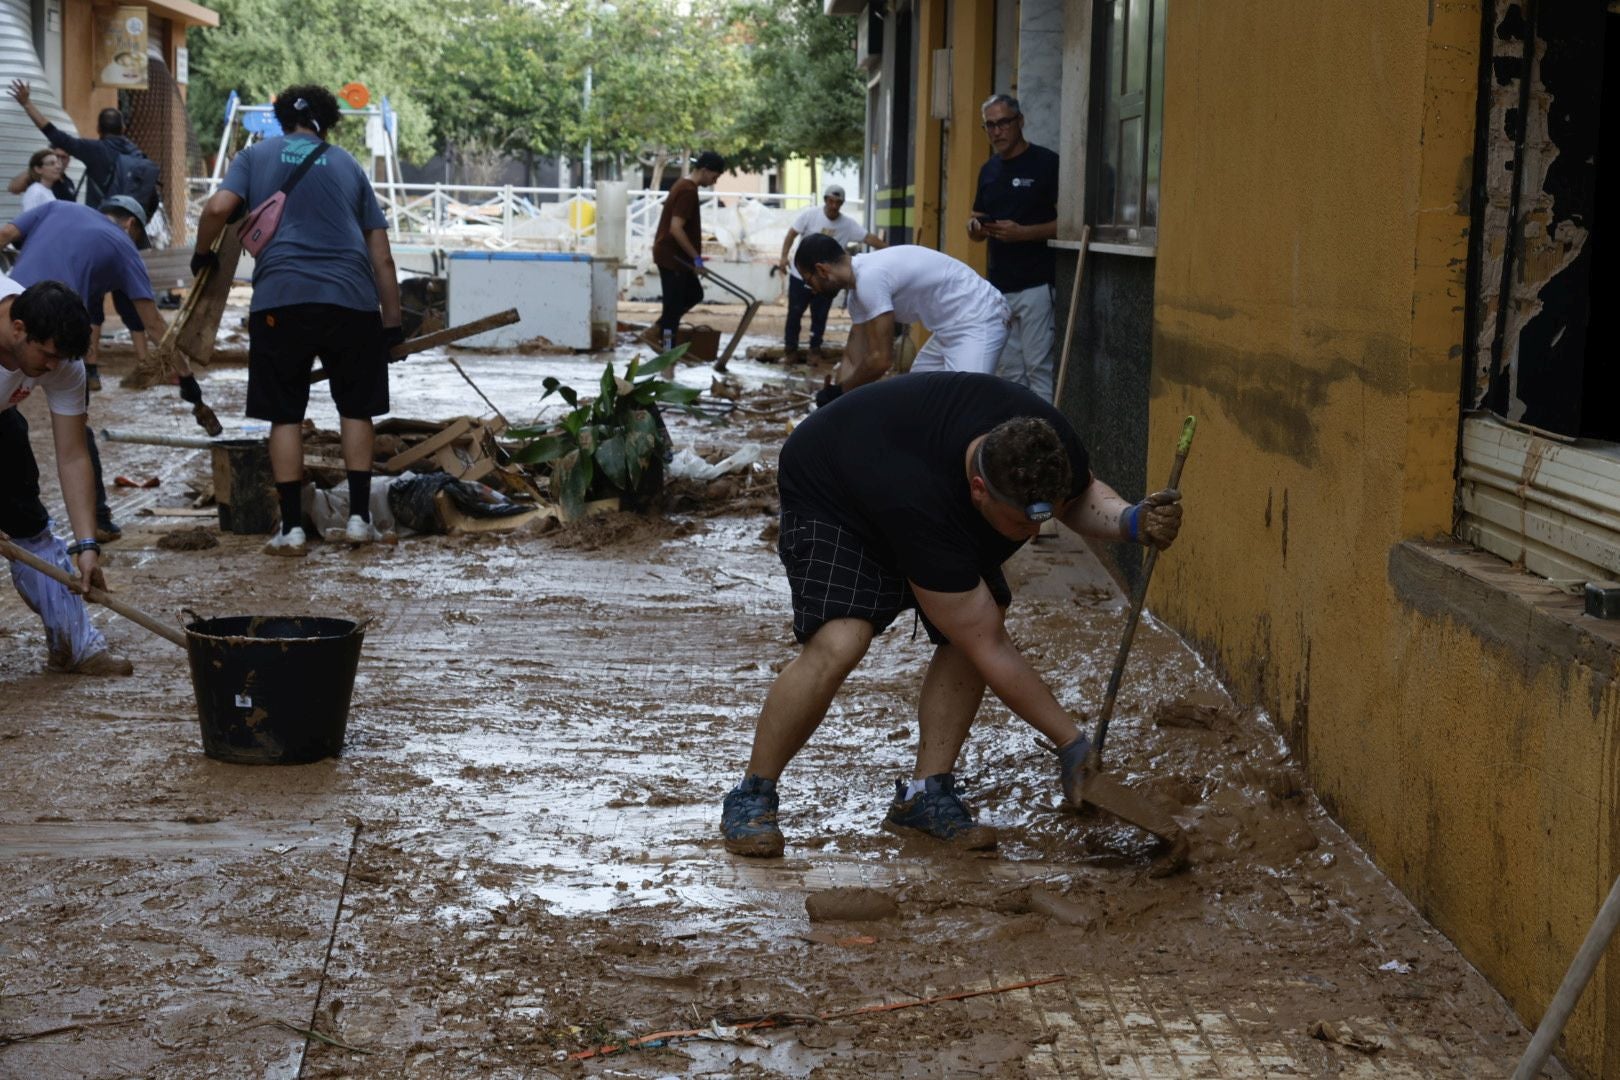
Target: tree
column 263, row 46
column 667, row 81
column 808, row 97
column 507, row 79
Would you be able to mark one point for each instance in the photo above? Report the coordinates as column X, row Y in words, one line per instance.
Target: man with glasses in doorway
column 826, row 220
column 1015, row 212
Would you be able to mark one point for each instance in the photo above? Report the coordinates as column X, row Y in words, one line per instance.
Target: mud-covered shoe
column 361, row 531
column 291, row 544
column 107, row 532
column 748, row 819
column 938, row 812
column 92, row 377
column 98, row 663
column 206, row 419
column 1072, row 770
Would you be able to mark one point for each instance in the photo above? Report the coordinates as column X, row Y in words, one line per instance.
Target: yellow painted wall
column 930, row 29
column 972, row 38
column 1309, row 309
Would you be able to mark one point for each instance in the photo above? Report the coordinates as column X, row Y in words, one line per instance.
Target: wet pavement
column 516, row 860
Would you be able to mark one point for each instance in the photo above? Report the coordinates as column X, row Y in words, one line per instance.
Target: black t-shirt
column 1023, row 190
column 888, row 461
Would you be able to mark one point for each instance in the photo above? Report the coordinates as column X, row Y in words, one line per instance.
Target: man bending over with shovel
column 911, row 493
column 42, row 329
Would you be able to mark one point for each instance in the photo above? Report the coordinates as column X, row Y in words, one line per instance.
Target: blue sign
column 261, row 120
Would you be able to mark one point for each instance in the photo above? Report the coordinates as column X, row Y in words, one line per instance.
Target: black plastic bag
column 411, row 499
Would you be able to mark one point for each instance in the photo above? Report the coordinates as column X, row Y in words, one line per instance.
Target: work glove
column 1156, row 520
column 828, row 394
column 203, row 260
column 392, row 336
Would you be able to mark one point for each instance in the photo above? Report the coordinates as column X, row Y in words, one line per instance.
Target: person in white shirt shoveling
column 966, row 316
column 41, row 329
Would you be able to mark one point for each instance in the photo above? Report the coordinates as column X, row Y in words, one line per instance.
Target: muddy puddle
column 516, row 860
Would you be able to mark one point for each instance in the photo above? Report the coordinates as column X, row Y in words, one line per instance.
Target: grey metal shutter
column 18, row 136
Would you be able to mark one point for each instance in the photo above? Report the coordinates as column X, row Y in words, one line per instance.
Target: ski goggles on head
column 1035, row 511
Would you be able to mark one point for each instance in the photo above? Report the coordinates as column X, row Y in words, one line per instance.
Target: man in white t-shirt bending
column 828, row 219
column 966, row 316
column 40, row 327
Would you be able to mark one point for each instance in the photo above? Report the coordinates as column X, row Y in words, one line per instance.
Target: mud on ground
column 516, row 858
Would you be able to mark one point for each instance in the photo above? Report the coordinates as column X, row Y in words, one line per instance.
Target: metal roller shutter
column 18, row 136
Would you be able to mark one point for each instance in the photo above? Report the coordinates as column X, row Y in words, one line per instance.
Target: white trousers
column 970, row 347
column 69, row 635
column 1029, row 357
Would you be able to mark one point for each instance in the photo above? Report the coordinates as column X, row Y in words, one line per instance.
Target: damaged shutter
column 18, row 136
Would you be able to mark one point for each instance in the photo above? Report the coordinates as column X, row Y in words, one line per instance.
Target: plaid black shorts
column 832, row 576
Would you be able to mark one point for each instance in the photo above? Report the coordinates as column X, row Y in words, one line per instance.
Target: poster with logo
column 121, row 47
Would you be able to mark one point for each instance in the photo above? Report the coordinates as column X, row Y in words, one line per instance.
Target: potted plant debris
column 613, row 445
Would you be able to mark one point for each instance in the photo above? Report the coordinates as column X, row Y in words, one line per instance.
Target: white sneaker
column 292, row 544
column 361, row 531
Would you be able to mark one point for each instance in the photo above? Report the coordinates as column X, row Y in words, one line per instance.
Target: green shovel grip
column 1187, row 427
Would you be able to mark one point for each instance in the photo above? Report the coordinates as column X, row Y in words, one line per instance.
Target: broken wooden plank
column 449, row 434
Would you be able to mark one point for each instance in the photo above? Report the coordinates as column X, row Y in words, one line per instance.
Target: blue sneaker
column 1072, row 770
column 939, row 813
column 748, row 819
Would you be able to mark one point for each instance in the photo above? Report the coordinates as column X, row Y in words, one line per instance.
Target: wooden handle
column 443, row 337
column 1138, row 599
column 135, row 615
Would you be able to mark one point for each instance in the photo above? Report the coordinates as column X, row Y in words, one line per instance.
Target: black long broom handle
column 1094, row 763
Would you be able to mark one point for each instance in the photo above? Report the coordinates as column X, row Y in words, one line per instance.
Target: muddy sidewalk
column 516, row 860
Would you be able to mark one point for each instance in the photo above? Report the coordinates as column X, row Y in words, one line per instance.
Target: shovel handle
column 439, row 337
column 1138, row 598
column 100, row 596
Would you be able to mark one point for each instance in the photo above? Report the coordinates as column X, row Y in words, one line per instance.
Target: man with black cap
column 42, row 329
column 825, row 220
column 911, row 493
column 94, row 253
column 678, row 247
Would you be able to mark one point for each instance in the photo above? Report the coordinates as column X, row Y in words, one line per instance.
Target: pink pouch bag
column 257, row 229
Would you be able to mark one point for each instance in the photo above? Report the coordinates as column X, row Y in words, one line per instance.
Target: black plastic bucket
column 271, row 689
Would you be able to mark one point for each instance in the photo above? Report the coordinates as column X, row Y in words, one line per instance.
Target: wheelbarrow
column 749, row 311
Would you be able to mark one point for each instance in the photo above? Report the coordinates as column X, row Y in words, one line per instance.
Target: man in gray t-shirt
column 324, row 285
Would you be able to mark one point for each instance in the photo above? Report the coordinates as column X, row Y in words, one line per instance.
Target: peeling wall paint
column 1535, row 189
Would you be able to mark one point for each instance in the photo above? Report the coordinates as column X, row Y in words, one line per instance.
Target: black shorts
column 832, row 576
column 283, row 344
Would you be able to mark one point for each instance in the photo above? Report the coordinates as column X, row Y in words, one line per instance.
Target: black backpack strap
column 303, row 167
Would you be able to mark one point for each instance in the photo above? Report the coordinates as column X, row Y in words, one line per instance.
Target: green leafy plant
column 614, row 443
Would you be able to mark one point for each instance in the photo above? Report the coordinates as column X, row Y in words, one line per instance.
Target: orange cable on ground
column 774, row 1021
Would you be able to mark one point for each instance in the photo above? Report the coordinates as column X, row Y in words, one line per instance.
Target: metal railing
column 504, row 217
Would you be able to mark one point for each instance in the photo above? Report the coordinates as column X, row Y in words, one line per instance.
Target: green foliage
column 758, row 80
column 263, row 46
column 805, row 95
column 612, row 443
column 509, row 77
column 665, row 79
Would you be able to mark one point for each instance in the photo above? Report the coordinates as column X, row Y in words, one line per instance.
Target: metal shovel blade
column 1106, row 793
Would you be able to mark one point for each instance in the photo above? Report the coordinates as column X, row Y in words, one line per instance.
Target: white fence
column 458, row 216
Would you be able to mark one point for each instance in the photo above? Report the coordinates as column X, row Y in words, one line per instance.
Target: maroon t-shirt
column 683, row 202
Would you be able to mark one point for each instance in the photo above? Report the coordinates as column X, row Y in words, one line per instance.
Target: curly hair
column 52, row 313
column 311, row 105
column 1025, row 460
